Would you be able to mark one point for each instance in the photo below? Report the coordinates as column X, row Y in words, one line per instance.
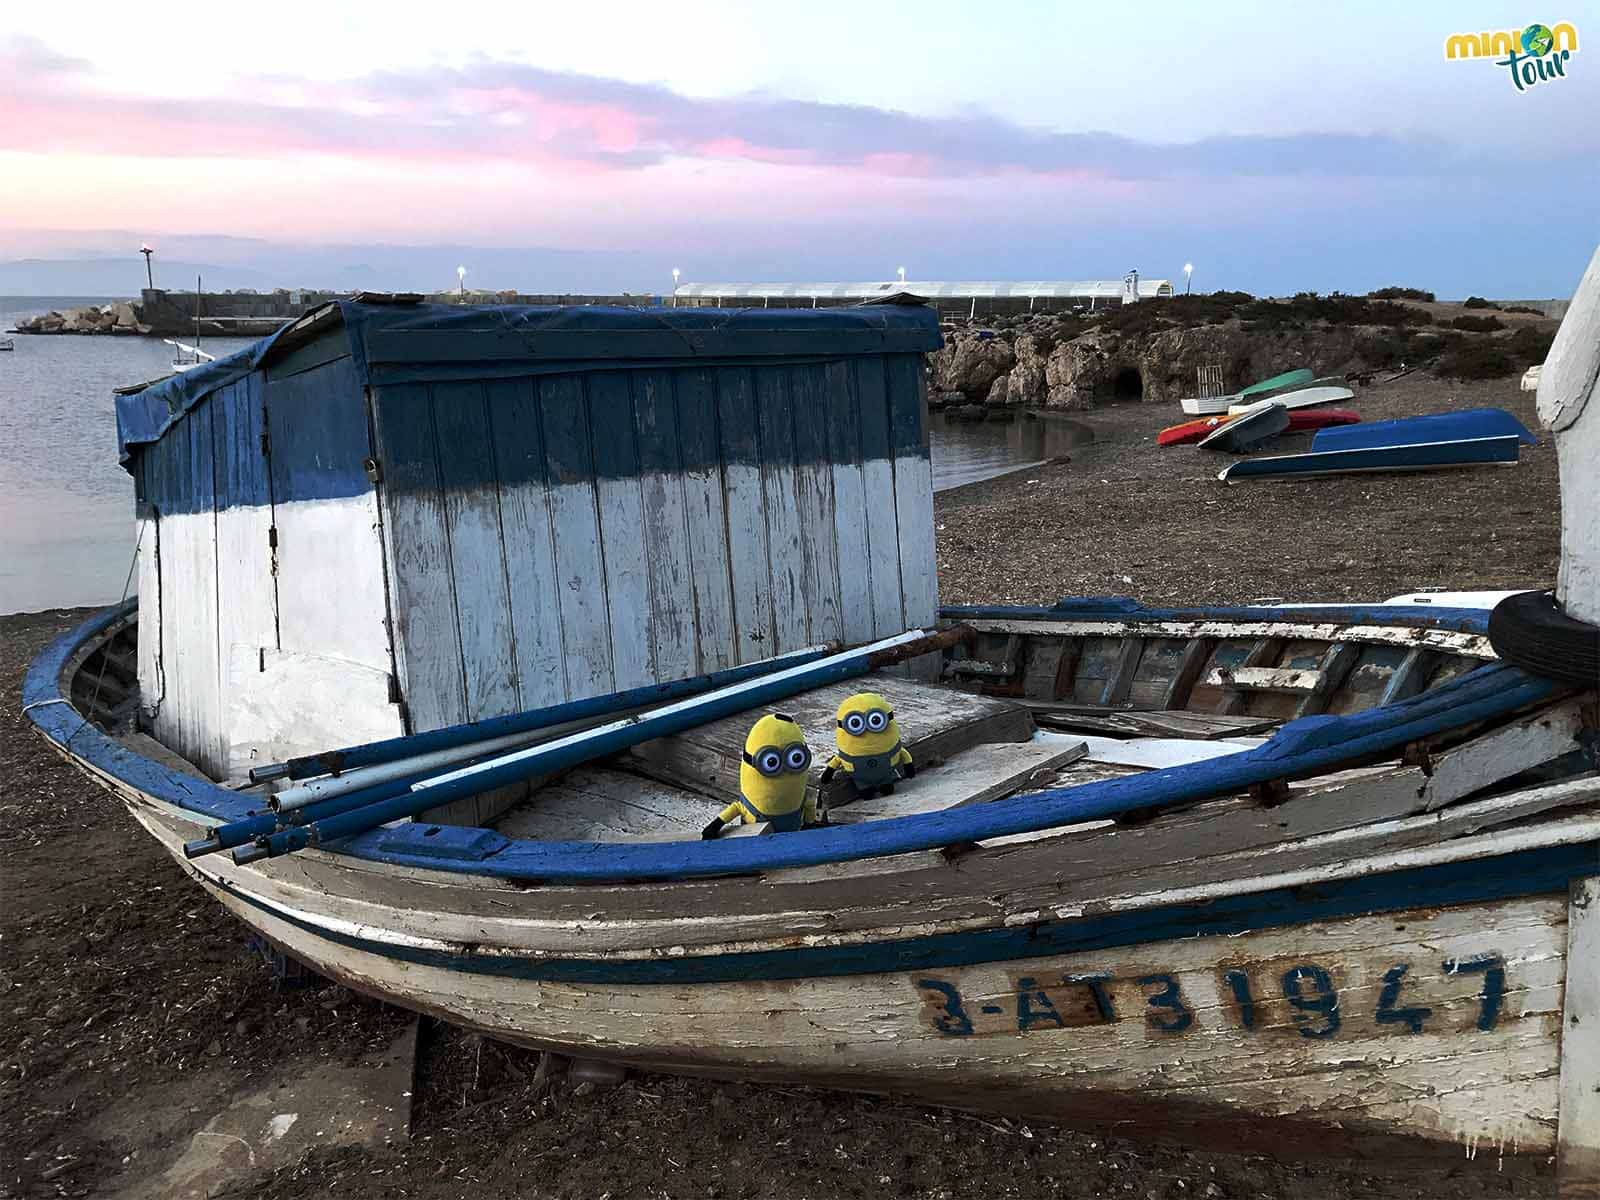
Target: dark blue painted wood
column 317, row 424
column 907, row 432
column 872, row 386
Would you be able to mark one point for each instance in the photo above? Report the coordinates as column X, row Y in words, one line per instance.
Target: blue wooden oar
column 332, row 762
column 577, row 748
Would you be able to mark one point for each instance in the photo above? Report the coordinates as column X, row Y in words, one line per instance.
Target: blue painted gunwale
column 1304, row 747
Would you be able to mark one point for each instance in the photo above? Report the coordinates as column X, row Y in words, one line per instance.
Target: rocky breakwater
column 118, row 318
column 1154, row 350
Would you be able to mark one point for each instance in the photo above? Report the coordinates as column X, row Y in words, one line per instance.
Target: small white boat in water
column 188, row 357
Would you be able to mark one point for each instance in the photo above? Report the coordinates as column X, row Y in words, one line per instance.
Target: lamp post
column 149, row 277
column 675, row 274
column 1188, row 277
column 461, row 282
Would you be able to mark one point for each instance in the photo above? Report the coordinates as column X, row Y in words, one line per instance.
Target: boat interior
column 1031, row 700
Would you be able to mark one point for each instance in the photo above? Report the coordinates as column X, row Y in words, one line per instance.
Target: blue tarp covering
column 404, row 343
column 1417, row 431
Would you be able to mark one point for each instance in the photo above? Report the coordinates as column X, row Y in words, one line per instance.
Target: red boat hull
column 1190, row 432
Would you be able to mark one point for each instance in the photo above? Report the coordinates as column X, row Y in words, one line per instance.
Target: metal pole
column 149, row 276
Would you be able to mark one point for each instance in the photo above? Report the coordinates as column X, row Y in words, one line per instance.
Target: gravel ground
column 1127, row 517
column 132, row 1006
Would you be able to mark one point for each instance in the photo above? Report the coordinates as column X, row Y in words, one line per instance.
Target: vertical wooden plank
column 471, row 506
column 748, row 557
column 178, row 588
column 575, row 531
column 706, row 518
column 1264, row 653
column 877, row 474
column 419, row 550
column 813, row 481
column 531, row 577
column 622, row 529
column 775, row 416
column 1195, row 656
column 913, row 489
column 160, row 473
column 854, row 562
column 247, row 591
column 1120, row 680
column 1578, row 1131
column 1337, row 663
column 666, row 526
column 210, row 749
column 331, row 596
column 149, row 642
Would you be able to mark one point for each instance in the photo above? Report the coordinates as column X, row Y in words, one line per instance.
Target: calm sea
column 66, row 507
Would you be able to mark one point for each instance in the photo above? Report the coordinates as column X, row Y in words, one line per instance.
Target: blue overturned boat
column 1474, row 437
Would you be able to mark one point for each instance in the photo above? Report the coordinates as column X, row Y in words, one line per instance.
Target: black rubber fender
column 1530, row 631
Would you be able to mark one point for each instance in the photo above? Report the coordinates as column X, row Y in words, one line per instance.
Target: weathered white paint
column 283, row 703
column 710, row 547
column 785, row 561
column 974, row 776
column 1503, row 752
column 581, row 575
column 627, row 584
column 675, row 631
column 883, row 547
column 1579, row 1139
column 152, row 679
column 919, row 581
column 535, row 590
column 483, row 602
column 1265, row 679
column 748, row 562
column 850, row 519
column 331, row 579
column 1567, row 408
column 1468, row 644
column 1155, row 753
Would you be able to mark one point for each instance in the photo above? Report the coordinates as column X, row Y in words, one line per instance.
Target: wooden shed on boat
column 392, row 517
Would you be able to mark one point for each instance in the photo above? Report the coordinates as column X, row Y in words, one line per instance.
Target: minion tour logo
column 1533, row 55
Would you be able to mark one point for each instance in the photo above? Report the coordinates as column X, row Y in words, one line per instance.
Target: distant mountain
column 117, row 277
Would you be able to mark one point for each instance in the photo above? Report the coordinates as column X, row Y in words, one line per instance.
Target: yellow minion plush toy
column 867, row 746
column 772, row 779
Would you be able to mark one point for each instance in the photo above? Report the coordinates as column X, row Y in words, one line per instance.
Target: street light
column 149, row 278
column 675, row 274
column 461, row 281
column 1188, row 277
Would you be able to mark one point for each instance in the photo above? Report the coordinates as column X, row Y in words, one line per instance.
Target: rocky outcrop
column 120, row 317
column 971, row 364
column 1030, row 368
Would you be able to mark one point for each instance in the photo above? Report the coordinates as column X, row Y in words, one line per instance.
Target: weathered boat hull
column 1381, row 969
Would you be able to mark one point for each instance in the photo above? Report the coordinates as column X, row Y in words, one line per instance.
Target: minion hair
column 785, row 717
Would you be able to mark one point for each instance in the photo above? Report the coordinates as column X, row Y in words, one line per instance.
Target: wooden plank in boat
column 850, row 514
column 1578, row 1136
column 707, row 518
column 598, row 804
column 1168, row 723
column 974, row 776
column 746, row 514
column 1156, row 753
column 674, row 632
column 775, row 417
column 622, row 530
column 877, row 476
column 1303, row 681
column 813, row 492
column 935, row 723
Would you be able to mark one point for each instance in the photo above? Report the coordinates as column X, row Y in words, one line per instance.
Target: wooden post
column 1578, row 1135
column 1567, row 407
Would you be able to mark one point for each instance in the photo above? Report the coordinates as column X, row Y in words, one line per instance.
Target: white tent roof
column 1102, row 289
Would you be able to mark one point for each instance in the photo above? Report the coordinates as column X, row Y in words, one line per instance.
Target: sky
column 1277, row 146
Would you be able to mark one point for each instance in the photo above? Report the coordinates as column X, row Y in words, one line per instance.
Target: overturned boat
column 451, row 626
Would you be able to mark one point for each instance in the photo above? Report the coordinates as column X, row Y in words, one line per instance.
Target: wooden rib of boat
column 1249, row 428
column 1296, row 878
column 1357, row 926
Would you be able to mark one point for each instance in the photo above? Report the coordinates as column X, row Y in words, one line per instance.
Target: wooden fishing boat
column 1248, row 429
column 1301, row 878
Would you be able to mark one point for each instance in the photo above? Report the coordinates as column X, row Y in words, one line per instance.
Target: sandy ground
column 132, row 1006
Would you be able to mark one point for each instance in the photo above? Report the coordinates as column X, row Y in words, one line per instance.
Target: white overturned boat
column 1304, row 879
column 1302, row 397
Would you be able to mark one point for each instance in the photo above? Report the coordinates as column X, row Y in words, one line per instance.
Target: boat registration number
column 1297, row 999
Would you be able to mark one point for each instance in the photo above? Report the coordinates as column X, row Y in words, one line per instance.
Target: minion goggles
column 875, row 720
column 775, row 760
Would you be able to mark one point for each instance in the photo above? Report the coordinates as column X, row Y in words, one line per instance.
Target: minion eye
column 797, row 758
column 855, row 723
column 769, row 762
column 876, row 721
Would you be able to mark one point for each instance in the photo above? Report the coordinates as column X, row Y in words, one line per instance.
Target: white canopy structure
column 1106, row 291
